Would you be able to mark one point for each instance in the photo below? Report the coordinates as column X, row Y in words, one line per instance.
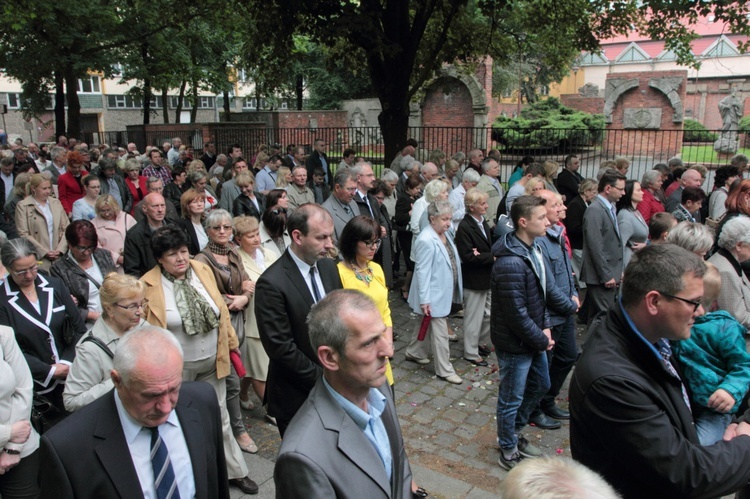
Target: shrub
column 696, row 132
column 548, row 124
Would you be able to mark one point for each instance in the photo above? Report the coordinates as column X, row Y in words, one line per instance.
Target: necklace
column 364, row 275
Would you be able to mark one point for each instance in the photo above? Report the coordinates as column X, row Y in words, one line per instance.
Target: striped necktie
column 164, row 479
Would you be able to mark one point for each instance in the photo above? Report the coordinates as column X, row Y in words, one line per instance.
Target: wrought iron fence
column 643, row 148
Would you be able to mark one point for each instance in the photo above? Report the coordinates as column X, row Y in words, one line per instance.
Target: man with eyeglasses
column 602, row 247
column 341, row 203
column 137, row 255
column 632, row 417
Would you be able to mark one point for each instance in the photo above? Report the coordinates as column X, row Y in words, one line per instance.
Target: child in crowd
column 715, row 364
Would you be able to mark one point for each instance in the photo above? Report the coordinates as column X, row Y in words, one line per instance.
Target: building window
column 250, row 102
column 117, row 69
column 544, row 90
column 241, row 75
column 205, row 102
column 89, row 85
column 14, row 101
column 284, row 105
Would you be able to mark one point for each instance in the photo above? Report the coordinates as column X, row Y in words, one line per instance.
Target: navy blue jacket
column 558, row 262
column 519, row 313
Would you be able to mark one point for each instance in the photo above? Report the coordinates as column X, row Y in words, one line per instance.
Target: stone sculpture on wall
column 730, row 108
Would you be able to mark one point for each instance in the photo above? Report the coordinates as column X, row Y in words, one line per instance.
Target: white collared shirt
column 305, row 271
column 139, row 445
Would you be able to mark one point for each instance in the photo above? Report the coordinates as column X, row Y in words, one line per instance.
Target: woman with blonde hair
column 550, row 174
column 255, row 259
column 41, row 219
column 260, row 161
column 122, row 301
column 111, row 225
column 535, row 185
column 283, row 177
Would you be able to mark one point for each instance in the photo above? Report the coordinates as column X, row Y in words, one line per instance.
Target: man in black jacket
column 318, row 158
column 631, row 417
column 520, row 325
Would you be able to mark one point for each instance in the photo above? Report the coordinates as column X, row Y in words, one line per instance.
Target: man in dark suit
column 284, row 295
column 326, row 451
column 150, row 421
column 569, row 179
column 602, row 247
column 318, row 158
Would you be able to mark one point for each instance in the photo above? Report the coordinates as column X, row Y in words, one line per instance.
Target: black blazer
column 193, row 246
column 86, row 455
column 282, row 302
column 243, row 206
column 41, row 336
column 314, row 160
column 402, row 218
column 574, row 222
column 475, row 270
column 76, row 279
column 567, row 184
column 137, row 255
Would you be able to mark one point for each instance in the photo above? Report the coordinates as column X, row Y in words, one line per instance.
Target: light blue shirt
column 266, row 180
column 139, row 444
column 369, row 422
column 325, row 166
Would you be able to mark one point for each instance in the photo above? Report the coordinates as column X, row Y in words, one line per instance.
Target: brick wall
column 630, row 143
column 593, row 105
column 448, row 103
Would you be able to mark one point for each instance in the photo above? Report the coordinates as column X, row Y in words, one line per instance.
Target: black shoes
column 557, row 413
column 541, row 420
column 245, row 484
column 478, row 363
column 484, row 351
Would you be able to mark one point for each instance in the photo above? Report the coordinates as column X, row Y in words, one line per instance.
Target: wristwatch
column 11, row 451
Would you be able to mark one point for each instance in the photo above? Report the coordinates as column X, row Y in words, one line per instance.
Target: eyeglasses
column 133, row 308
column 694, row 303
column 218, row 228
column 25, row 272
column 376, row 243
column 84, row 249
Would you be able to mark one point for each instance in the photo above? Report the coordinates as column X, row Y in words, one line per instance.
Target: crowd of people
column 274, row 274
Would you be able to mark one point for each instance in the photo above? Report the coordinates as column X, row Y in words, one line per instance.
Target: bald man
column 138, row 258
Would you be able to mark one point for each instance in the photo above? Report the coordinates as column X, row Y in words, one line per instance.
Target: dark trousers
column 561, row 359
column 599, row 299
column 21, row 482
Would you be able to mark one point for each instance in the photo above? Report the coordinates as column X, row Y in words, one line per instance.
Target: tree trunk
column 147, row 93
column 59, row 105
column 394, row 125
column 181, row 98
column 299, row 90
column 227, row 109
column 165, row 104
column 74, row 106
column 194, row 110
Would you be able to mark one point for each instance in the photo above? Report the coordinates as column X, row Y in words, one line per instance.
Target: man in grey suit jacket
column 340, row 204
column 602, row 246
column 346, row 440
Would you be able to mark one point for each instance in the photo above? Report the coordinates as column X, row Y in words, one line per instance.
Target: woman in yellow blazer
column 41, row 219
column 182, row 296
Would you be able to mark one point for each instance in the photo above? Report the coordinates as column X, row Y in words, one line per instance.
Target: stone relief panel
column 670, row 86
column 647, row 118
column 615, row 88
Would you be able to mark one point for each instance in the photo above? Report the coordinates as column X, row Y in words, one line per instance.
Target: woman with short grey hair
column 694, row 237
column 651, row 185
column 236, row 288
column 734, row 248
column 436, row 285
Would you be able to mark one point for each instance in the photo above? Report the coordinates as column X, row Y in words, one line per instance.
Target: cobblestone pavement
column 449, row 430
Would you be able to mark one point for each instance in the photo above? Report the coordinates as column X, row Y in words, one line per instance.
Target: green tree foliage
column 696, row 132
column 548, row 124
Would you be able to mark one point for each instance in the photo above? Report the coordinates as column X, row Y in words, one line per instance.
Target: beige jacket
column 254, row 272
column 156, row 313
column 32, row 225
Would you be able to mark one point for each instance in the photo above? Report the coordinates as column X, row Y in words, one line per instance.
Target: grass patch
column 706, row 154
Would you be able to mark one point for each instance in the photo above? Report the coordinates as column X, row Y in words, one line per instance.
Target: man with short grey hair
column 173, row 155
column 154, row 184
column 490, row 183
column 428, row 171
column 740, row 161
column 137, row 255
column 57, row 168
column 350, row 403
column 340, row 204
column 298, row 193
column 690, row 178
column 151, row 436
